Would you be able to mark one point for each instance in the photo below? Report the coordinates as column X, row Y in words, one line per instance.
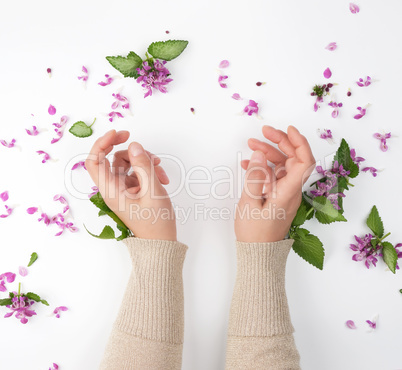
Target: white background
column 281, row 43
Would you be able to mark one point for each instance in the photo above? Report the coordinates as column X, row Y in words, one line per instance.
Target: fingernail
column 136, row 149
column 258, row 157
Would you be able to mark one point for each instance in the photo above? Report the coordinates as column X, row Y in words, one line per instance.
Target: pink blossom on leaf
column 354, row 8
column 224, row 64
column 331, row 46
column 327, row 73
column 51, row 110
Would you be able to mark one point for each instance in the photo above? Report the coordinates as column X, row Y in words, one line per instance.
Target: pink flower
column 34, row 131
column 8, row 212
column 57, row 310
column 49, row 72
column 336, row 107
column 51, row 110
column 363, row 83
column 221, row 83
column 327, row 73
column 317, row 101
column 251, row 108
column 112, row 115
column 383, row 139
column 55, row 367
column 4, row 196
column 95, row 190
column 59, row 129
column 355, row 159
column 23, row 271
column 224, row 64
column 372, row 170
column 372, row 324
column 120, row 98
column 326, row 134
column 46, row 156
column 361, row 114
column 350, row 324
column 21, row 307
column 109, row 80
column 62, row 200
column 85, row 76
column 77, row 165
column 236, row 96
column 354, row 8
column 7, row 276
column 8, row 145
column 32, row 210
column 154, row 77
column 331, row 46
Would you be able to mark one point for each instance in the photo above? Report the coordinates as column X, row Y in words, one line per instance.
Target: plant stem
column 347, row 181
column 309, row 211
column 93, row 122
column 19, row 289
column 384, row 237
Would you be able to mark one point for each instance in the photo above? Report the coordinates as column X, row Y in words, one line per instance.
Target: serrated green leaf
column 343, row 157
column 102, row 213
column 310, row 248
column 107, row 233
column 302, row 232
column 5, row 302
column 308, row 202
column 99, row 202
column 81, row 129
column 325, row 211
column 125, row 232
column 374, row 222
column 389, row 255
column 44, row 302
column 300, row 217
column 32, row 296
column 34, row 257
column 126, row 65
column 167, row 50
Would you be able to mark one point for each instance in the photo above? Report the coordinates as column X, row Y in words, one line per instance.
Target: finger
column 301, row 145
column 256, row 175
column 280, row 138
column 156, row 160
column 272, row 154
column 162, row 176
column 121, row 162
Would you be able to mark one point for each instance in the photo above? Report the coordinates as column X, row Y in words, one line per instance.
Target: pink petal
column 32, row 210
column 331, row 46
column 350, row 324
column 51, row 110
column 84, row 69
column 358, row 116
column 327, row 73
column 115, row 104
column 4, row 196
column 236, row 96
column 23, row 271
column 224, row 64
column 354, row 8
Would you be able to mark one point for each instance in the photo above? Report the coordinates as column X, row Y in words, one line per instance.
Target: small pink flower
column 361, row 114
column 95, row 190
column 46, row 156
column 8, row 212
column 251, row 108
column 372, row 170
column 32, row 210
column 331, row 46
column 109, row 80
column 350, row 324
column 373, row 325
column 383, row 139
column 55, row 367
column 113, row 114
column 7, row 276
column 317, row 101
column 4, row 196
column 363, row 83
column 122, row 99
column 224, row 64
column 336, row 107
column 49, row 72
column 78, row 164
column 354, row 8
column 59, row 129
column 23, row 271
column 34, row 131
column 221, row 83
column 85, row 76
column 327, row 73
column 236, row 96
column 57, row 310
column 62, row 200
column 51, row 110
column 8, row 145
column 326, row 134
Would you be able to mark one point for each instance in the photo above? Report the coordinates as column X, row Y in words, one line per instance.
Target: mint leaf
column 126, row 65
column 102, row 213
column 107, row 233
column 343, row 157
column 307, row 201
column 301, row 215
column 389, row 255
column 44, row 302
column 32, row 296
column 81, row 129
column 167, row 50
column 374, row 222
column 309, row 247
column 99, row 202
column 6, row 302
column 34, row 257
column 325, row 211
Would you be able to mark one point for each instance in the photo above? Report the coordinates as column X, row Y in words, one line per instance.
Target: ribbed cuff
column 153, row 305
column 259, row 305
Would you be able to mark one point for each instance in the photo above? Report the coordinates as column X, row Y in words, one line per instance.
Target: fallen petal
column 224, row 64
column 236, row 96
column 4, row 196
column 51, row 110
column 32, row 210
column 331, row 46
column 327, row 73
column 354, row 8
column 350, row 324
column 23, row 271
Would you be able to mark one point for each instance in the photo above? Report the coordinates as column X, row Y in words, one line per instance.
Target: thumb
column 256, row 175
column 143, row 168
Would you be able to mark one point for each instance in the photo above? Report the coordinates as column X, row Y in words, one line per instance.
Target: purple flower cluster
column 21, row 306
column 154, row 76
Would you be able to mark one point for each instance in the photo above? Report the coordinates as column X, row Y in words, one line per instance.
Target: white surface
column 278, row 42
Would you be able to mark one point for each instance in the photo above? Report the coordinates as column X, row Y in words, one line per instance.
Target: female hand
column 137, row 197
column 272, row 195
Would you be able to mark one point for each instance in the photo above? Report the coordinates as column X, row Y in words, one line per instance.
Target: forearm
column 148, row 332
column 260, row 329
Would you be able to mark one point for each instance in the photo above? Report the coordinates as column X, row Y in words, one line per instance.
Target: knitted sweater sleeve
column 260, row 331
column 148, row 331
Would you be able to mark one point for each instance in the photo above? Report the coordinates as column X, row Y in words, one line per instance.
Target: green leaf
column 389, row 255
column 342, row 185
column 126, row 65
column 300, row 217
column 34, row 257
column 310, row 248
column 307, row 201
column 99, row 202
column 44, row 302
column 5, row 302
column 33, row 296
column 167, row 50
column 81, row 129
column 343, row 157
column 325, row 211
column 374, row 222
column 102, row 213
column 125, row 232
column 107, row 233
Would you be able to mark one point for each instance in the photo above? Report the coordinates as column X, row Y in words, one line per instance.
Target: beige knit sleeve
column 260, row 331
column 148, row 331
